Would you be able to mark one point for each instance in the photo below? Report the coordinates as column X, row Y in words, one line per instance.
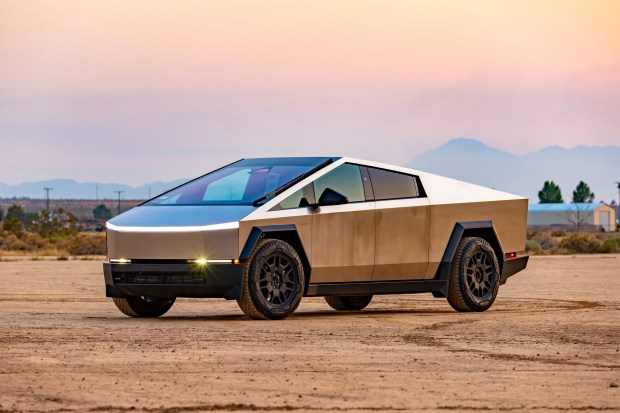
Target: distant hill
column 464, row 159
column 70, row 189
column 473, row 161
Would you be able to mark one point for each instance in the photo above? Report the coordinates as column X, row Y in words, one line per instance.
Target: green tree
column 16, row 211
column 1, row 214
column 550, row 193
column 58, row 223
column 15, row 219
column 102, row 212
column 12, row 225
column 582, row 193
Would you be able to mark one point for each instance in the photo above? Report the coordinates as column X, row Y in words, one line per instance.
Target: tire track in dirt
column 218, row 408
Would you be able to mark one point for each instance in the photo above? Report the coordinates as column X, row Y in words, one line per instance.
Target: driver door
column 343, row 236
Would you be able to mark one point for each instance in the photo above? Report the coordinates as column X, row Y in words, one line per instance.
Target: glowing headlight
column 120, row 261
column 204, row 261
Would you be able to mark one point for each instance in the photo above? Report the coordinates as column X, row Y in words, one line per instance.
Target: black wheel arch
column 480, row 229
column 287, row 233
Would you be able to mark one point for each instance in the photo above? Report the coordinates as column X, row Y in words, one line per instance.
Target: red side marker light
column 511, row 255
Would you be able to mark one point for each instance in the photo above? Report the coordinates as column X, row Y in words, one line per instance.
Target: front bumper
column 512, row 266
column 166, row 279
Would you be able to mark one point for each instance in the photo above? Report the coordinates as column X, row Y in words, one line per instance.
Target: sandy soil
column 550, row 343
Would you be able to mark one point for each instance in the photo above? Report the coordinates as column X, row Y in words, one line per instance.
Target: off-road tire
column 348, row 303
column 474, row 276
column 144, row 307
column 273, row 281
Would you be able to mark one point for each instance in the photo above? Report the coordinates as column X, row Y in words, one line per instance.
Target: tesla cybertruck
column 267, row 231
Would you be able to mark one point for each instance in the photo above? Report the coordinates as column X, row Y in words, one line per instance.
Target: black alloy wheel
column 474, row 276
column 480, row 275
column 273, row 281
column 277, row 278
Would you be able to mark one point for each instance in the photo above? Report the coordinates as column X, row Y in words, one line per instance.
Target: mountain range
column 472, row 161
column 70, row 189
column 464, row 159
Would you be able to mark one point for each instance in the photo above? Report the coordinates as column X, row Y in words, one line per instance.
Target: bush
column 35, row 240
column 610, row 245
column 544, row 241
column 579, row 244
column 532, row 246
column 13, row 243
column 558, row 233
column 87, row 245
column 12, row 224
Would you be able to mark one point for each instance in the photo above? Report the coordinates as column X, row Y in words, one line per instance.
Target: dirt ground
column 551, row 342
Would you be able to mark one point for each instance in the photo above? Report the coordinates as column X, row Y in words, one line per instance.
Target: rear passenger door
column 402, row 226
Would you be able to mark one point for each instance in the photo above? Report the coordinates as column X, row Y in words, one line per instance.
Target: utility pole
column 96, row 192
column 119, row 200
column 47, row 198
column 618, row 215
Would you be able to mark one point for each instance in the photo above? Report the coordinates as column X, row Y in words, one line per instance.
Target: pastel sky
column 145, row 90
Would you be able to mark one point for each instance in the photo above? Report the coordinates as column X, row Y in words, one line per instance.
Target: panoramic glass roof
column 245, row 182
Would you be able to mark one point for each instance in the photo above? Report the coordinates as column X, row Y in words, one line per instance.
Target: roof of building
column 563, row 207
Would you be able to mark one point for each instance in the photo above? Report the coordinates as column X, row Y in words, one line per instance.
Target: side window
column 297, row 199
column 292, row 201
column 392, row 185
column 345, row 179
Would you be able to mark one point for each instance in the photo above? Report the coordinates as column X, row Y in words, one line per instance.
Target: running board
column 378, row 287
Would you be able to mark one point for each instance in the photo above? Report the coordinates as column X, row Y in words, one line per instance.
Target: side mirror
column 331, row 197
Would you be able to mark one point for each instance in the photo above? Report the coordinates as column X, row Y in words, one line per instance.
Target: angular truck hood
column 171, row 218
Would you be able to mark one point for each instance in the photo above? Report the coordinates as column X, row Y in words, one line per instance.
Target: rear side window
column 392, row 185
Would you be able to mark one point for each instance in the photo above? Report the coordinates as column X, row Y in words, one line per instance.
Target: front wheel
column 272, row 282
column 474, row 276
column 144, row 306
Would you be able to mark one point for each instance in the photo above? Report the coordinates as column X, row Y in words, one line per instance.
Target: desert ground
column 551, row 342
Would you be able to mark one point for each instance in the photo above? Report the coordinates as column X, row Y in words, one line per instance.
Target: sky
column 145, row 90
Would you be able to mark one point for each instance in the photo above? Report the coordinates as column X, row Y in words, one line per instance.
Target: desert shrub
column 12, row 225
column 87, row 245
column 558, row 233
column 610, row 245
column 17, row 245
column 579, row 244
column 62, row 258
column 12, row 242
column 34, row 240
column 532, row 234
column 532, row 246
column 545, row 241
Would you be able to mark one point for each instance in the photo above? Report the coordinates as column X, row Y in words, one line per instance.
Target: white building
column 587, row 214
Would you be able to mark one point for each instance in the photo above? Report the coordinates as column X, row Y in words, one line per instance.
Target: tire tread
column 456, row 293
column 246, row 302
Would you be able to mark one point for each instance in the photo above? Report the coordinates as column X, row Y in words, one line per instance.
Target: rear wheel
column 144, row 306
column 348, row 303
column 273, row 281
column 474, row 276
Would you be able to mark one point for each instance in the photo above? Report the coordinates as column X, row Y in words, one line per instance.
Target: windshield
column 240, row 183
